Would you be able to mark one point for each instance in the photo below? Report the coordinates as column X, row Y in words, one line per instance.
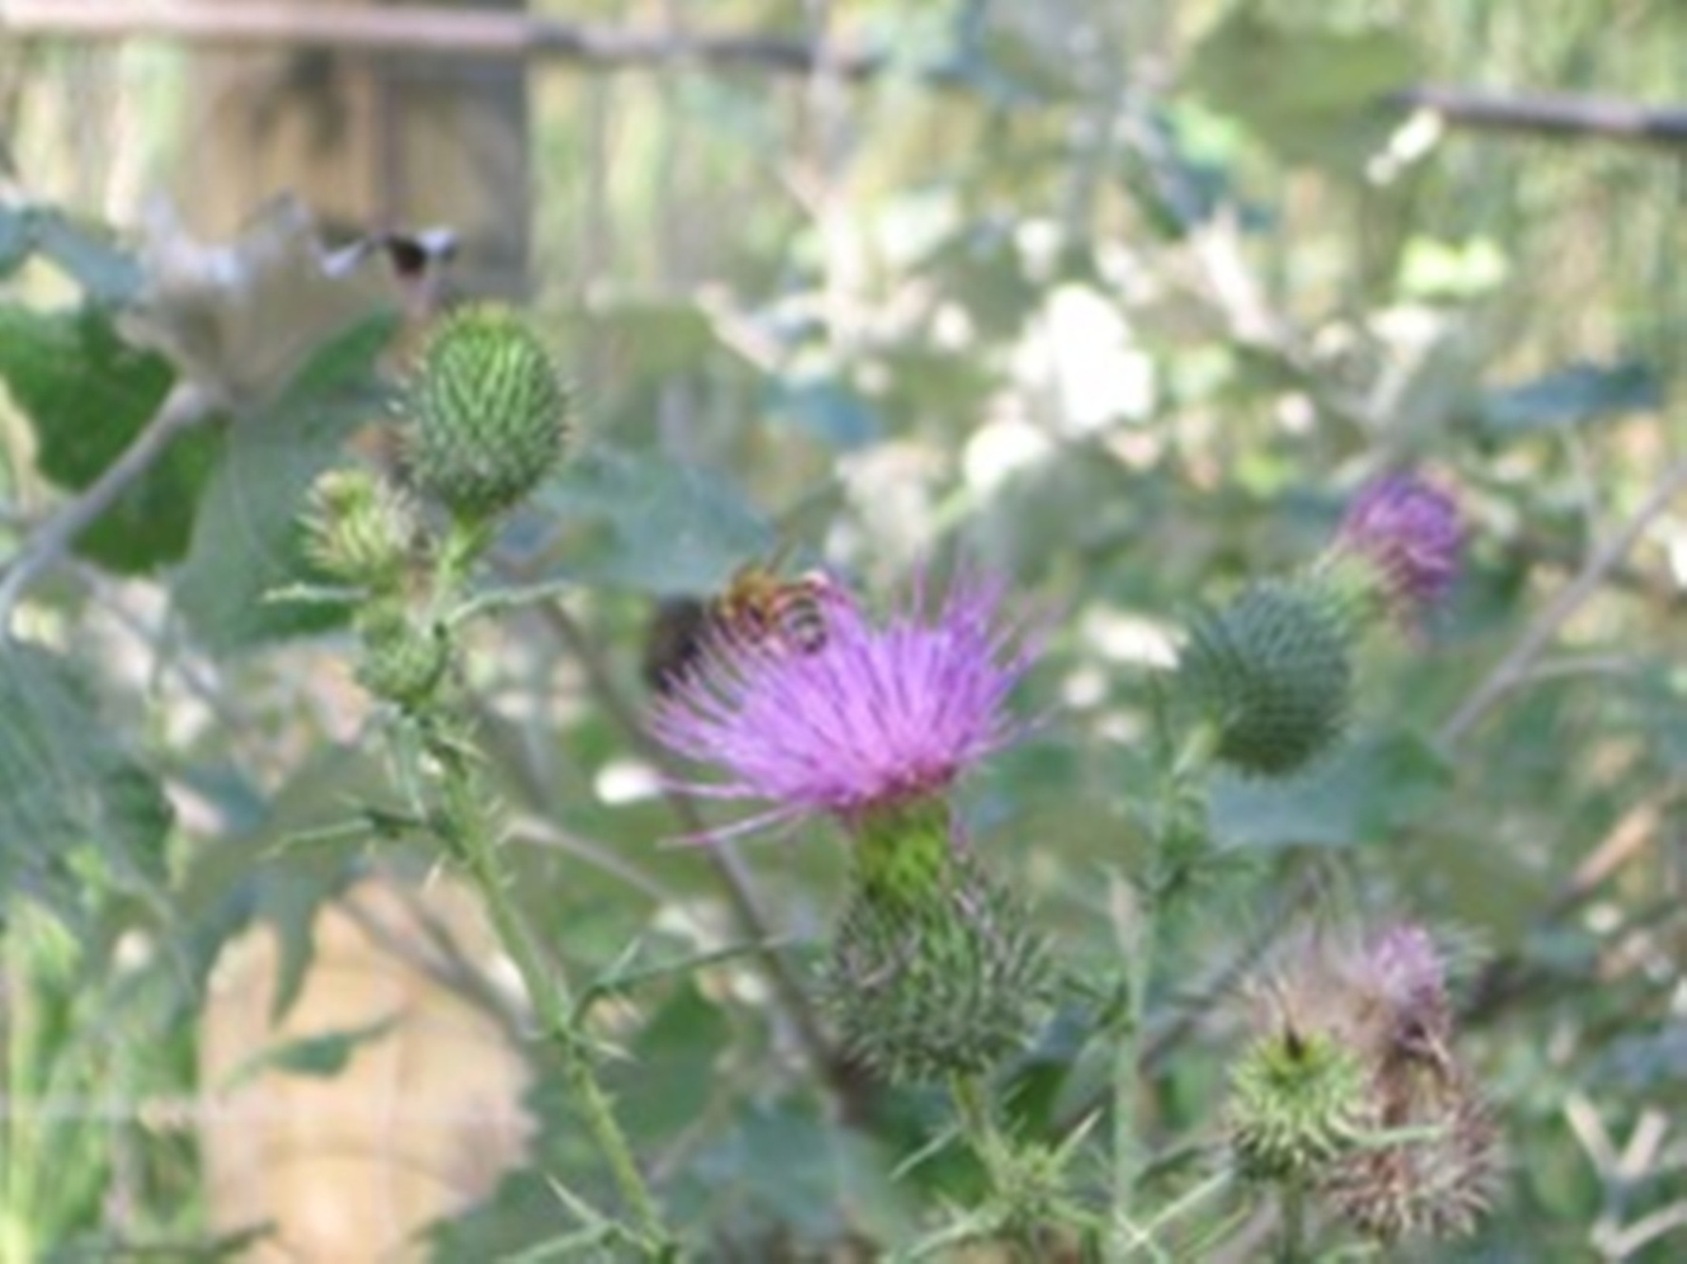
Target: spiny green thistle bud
column 403, row 661
column 935, row 970
column 1271, row 671
column 361, row 530
column 1297, row 1103
column 490, row 413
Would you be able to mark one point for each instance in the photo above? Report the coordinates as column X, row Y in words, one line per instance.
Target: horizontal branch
column 414, row 29
column 1561, row 115
column 483, row 33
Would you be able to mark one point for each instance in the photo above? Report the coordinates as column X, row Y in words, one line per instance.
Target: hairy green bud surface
column 403, row 660
column 937, row 984
column 1296, row 1104
column 489, row 410
column 1271, row 670
column 361, row 530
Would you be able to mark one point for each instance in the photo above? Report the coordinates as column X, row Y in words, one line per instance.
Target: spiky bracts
column 489, row 413
column 949, row 984
column 1271, row 672
column 1352, row 1090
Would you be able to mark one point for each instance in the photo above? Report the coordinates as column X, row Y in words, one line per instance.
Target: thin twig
column 183, row 408
column 1548, row 114
column 727, row 864
column 1539, row 634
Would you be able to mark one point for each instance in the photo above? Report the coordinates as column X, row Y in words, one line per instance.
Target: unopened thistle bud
column 361, row 530
column 1271, row 673
column 936, row 973
column 403, row 660
column 489, row 411
column 1297, row 1102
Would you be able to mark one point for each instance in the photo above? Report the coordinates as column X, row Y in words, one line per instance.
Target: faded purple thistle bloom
column 880, row 714
column 1402, row 975
column 1410, row 531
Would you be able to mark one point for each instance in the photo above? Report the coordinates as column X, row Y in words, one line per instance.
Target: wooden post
column 370, row 140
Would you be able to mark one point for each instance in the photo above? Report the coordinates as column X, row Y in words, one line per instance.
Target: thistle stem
column 1183, row 765
column 469, row 831
column 1291, row 1244
column 972, row 1108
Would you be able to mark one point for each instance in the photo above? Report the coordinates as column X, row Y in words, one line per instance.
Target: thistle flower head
column 880, row 714
column 1407, row 531
column 1413, row 1149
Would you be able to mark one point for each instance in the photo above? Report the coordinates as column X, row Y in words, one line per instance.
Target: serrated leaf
column 1569, row 396
column 1314, row 94
column 1371, row 787
column 69, row 793
column 645, row 523
column 247, row 540
column 86, row 395
column 88, row 256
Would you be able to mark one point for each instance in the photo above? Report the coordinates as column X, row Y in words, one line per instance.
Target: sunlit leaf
column 87, row 394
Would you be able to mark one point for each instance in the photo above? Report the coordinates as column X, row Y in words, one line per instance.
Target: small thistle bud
column 490, row 413
column 1399, row 547
column 1271, row 672
column 403, row 661
column 360, row 530
column 943, row 984
column 1297, row 1102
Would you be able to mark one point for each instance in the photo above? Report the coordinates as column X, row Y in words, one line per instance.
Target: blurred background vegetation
column 1121, row 299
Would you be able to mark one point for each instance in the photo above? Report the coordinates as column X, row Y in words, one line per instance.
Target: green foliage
column 644, row 523
column 247, row 539
column 76, row 809
column 1116, row 300
column 87, row 394
column 1313, row 93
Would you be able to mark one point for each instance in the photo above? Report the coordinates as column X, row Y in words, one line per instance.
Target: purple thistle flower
column 880, row 714
column 1409, row 530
